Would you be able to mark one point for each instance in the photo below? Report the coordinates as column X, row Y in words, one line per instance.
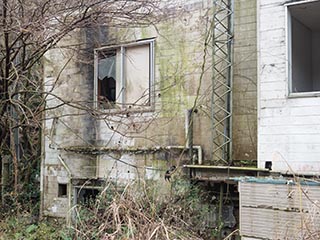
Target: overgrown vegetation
column 24, row 228
column 143, row 215
column 129, row 214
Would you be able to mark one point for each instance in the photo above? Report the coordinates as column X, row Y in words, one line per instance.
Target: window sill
column 304, row 95
column 124, row 111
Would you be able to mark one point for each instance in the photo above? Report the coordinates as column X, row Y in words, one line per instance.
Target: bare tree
column 28, row 29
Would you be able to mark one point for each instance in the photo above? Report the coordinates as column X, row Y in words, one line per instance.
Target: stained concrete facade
column 83, row 143
column 244, row 128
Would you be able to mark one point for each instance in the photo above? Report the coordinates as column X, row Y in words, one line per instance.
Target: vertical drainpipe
column 122, row 77
column 189, row 127
column 230, row 76
column 213, row 82
column 189, row 136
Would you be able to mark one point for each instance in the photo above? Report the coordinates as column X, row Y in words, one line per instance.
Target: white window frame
column 121, row 102
column 289, row 51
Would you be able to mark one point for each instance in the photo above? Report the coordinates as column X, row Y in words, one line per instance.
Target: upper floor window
column 304, row 46
column 124, row 75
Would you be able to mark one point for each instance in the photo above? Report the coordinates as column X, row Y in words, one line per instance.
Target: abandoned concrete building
column 226, row 91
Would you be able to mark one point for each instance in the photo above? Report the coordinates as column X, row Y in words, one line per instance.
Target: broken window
column 107, row 77
column 124, row 75
column 304, row 46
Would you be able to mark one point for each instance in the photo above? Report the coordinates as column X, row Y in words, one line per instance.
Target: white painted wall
column 288, row 127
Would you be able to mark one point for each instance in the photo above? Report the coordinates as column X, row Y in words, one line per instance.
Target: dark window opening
column 107, row 89
column 305, row 47
column 268, row 165
column 62, row 190
column 107, row 78
column 87, row 196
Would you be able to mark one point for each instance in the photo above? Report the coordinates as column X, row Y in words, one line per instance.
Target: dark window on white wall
column 124, row 75
column 304, row 47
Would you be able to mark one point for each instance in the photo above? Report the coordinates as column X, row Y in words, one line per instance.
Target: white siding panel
column 291, row 130
column 306, row 111
column 272, row 55
column 278, row 211
column 274, row 85
column 294, row 120
column 288, row 128
column 272, row 94
column 272, row 23
column 294, row 139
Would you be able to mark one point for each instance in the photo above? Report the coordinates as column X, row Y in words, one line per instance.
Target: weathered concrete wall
column 143, row 143
column 244, row 126
column 179, row 53
column 288, row 126
column 69, row 130
column 66, row 124
column 179, row 47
